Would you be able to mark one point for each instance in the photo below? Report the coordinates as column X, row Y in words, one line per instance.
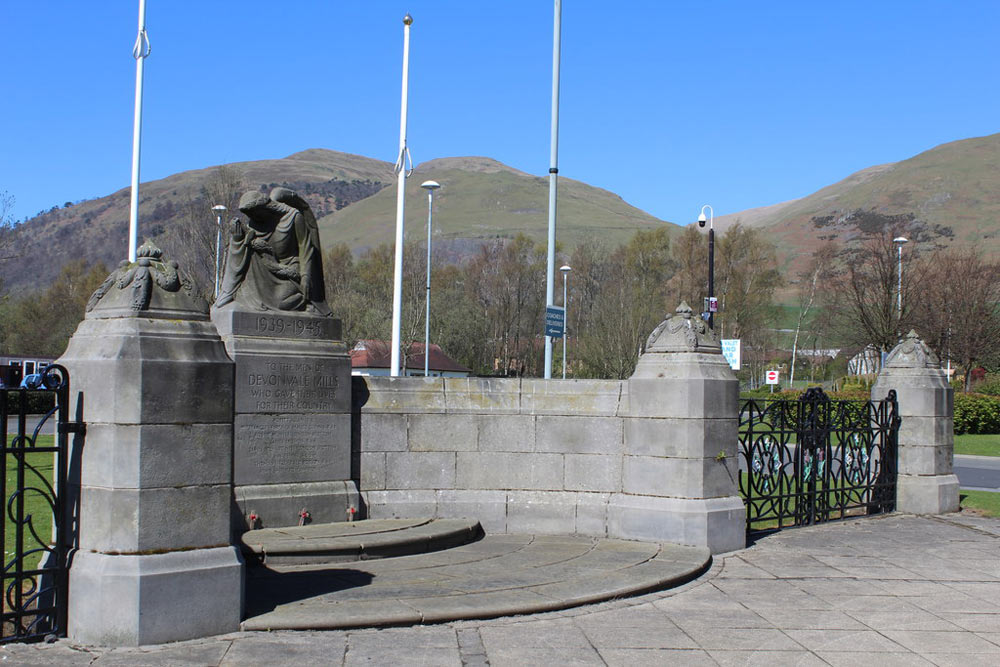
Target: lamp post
column 899, row 241
column 711, row 258
column 565, row 269
column 430, row 186
column 219, row 210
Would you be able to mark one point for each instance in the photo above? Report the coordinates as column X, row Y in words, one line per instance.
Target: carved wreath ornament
column 682, row 332
column 149, row 268
column 912, row 353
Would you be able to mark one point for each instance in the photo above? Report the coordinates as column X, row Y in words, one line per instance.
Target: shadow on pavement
column 267, row 589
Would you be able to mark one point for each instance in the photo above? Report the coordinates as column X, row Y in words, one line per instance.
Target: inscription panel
column 272, row 325
column 286, row 384
column 273, row 449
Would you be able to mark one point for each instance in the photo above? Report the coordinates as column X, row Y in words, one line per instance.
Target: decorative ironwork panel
column 33, row 523
column 815, row 459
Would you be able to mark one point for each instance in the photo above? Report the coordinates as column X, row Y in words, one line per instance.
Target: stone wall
column 542, row 456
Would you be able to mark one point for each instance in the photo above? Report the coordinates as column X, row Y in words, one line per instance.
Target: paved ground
column 498, row 575
column 897, row 590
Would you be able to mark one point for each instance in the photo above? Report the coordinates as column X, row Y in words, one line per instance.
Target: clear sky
column 669, row 104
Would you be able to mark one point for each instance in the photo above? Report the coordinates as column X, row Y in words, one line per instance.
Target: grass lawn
column 34, row 503
column 986, row 503
column 978, row 445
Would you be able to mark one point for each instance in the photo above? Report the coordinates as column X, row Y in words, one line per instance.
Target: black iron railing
column 33, row 523
column 815, row 459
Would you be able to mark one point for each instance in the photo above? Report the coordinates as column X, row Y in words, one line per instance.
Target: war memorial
column 229, row 459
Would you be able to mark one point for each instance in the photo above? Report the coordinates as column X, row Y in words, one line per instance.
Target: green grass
column 34, row 504
column 977, row 445
column 986, row 503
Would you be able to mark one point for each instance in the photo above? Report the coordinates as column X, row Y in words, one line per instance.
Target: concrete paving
column 894, row 590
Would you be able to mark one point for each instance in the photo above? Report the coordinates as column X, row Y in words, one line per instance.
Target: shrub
column 989, row 386
column 977, row 414
column 39, row 402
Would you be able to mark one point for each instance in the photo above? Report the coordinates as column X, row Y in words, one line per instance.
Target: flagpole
column 397, row 283
column 553, row 178
column 140, row 51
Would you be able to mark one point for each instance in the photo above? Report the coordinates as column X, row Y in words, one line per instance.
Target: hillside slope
column 955, row 185
column 481, row 199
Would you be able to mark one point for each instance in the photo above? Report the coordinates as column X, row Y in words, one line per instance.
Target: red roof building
column 372, row 357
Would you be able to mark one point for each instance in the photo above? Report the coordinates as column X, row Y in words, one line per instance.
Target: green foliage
column 990, row 386
column 977, row 413
column 984, row 503
column 37, row 402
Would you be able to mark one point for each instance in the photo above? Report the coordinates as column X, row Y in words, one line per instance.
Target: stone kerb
column 154, row 385
column 926, row 483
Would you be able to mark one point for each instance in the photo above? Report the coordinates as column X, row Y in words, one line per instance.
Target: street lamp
column 219, row 211
column 565, row 268
column 899, row 241
column 711, row 258
column 430, row 186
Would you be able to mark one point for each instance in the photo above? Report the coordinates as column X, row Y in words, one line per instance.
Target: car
column 33, row 381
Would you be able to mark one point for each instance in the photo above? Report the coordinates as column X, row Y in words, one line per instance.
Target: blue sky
column 669, row 104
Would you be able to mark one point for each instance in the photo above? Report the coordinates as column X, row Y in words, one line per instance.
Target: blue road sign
column 555, row 321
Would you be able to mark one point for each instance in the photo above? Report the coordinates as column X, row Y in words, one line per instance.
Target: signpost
column 555, row 321
column 771, row 378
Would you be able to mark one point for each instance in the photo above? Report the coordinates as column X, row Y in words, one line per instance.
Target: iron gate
column 815, row 459
column 33, row 524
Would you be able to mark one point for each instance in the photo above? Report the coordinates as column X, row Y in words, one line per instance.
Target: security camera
column 701, row 223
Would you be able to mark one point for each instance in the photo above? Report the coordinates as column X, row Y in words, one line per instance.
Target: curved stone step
column 347, row 541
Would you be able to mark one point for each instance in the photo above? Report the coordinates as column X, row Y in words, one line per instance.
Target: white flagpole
column 140, row 51
column 553, row 178
column 397, row 284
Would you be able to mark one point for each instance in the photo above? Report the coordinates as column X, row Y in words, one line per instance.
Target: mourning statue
column 274, row 261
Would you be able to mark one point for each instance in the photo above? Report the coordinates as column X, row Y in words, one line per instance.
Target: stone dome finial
column 912, row 352
column 683, row 332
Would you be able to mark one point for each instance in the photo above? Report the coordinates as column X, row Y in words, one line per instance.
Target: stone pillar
column 926, row 483
column 151, row 378
column 680, row 472
column 292, row 424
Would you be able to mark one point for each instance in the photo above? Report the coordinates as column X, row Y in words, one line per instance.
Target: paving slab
column 730, row 615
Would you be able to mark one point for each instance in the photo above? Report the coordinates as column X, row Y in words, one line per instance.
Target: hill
column 480, row 199
column 955, row 185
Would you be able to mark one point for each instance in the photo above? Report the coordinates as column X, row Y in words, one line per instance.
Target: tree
column 809, row 285
column 690, row 260
column 191, row 237
column 41, row 323
column 630, row 302
column 863, row 292
column 6, row 222
column 957, row 311
column 506, row 282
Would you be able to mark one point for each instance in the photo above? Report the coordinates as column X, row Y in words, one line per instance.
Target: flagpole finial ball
column 407, row 20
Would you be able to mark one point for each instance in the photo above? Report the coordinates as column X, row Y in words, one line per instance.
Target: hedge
column 977, row 414
column 39, row 402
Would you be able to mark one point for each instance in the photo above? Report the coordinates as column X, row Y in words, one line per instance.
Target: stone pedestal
column 292, row 424
column 153, row 383
column 926, row 483
column 681, row 470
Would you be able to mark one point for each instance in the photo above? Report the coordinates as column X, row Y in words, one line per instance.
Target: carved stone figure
column 275, row 261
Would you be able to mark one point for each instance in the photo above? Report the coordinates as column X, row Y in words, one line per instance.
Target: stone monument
column 292, row 424
column 154, row 385
column 926, row 483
